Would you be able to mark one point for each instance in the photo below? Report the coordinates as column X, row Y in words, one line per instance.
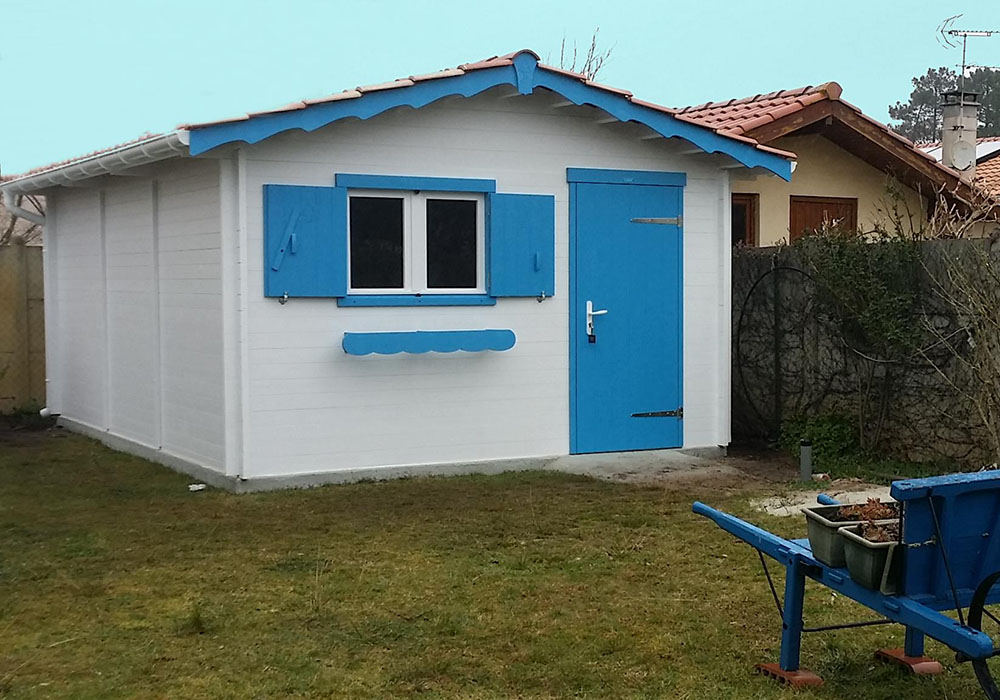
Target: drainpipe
column 10, row 204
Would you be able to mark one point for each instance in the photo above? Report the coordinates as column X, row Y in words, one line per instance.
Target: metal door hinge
column 666, row 221
column 679, row 414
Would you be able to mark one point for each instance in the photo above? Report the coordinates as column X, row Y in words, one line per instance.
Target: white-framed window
column 415, row 242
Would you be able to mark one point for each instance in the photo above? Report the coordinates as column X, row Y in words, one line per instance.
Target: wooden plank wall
column 22, row 328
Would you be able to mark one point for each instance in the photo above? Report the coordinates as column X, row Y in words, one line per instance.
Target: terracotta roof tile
column 988, row 174
column 345, row 95
column 390, row 85
column 60, row 163
column 446, row 73
column 738, row 116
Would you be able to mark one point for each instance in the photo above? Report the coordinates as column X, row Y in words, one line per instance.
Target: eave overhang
column 525, row 74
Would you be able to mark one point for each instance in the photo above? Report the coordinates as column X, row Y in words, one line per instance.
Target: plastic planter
column 826, row 543
column 873, row 565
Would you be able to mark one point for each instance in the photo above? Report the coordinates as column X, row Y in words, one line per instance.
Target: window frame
column 415, row 242
column 751, row 200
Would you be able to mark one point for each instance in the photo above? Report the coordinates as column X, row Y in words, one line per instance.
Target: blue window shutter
column 522, row 243
column 305, row 241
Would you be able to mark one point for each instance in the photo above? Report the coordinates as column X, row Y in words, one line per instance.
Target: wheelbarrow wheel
column 982, row 666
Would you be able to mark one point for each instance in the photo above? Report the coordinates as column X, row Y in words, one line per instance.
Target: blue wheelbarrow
column 950, row 562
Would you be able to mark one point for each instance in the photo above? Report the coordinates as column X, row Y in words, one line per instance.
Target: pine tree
column 919, row 119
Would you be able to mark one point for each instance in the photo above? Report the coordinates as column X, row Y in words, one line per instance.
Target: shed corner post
column 232, row 223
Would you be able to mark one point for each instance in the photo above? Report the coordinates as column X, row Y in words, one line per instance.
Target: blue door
column 626, row 319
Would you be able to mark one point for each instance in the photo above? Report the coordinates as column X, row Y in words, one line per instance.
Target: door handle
column 591, row 312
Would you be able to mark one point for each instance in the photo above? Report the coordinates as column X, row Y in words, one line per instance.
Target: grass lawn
column 115, row 581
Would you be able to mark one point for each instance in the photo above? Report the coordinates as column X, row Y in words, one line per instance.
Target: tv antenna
column 948, row 37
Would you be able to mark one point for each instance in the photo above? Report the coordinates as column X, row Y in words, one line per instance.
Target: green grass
column 882, row 470
column 115, row 581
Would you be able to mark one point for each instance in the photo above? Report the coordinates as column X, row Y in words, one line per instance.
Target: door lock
column 591, row 337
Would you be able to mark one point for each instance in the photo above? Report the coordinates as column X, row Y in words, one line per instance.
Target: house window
column 807, row 214
column 416, row 242
column 744, row 219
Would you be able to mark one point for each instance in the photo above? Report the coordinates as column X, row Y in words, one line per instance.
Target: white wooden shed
column 502, row 261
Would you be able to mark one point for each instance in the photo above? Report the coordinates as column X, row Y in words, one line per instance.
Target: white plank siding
column 138, row 351
column 79, row 306
column 133, row 332
column 312, row 408
column 188, row 212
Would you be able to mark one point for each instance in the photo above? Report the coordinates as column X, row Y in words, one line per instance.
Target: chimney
column 960, row 120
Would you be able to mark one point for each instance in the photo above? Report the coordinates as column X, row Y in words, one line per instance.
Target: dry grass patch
column 116, row 581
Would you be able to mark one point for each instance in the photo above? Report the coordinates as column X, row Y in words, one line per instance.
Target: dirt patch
column 741, row 470
column 13, row 434
column 844, row 490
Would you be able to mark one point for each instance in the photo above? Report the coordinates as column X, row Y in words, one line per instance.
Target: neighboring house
column 987, row 169
column 844, row 161
column 484, row 263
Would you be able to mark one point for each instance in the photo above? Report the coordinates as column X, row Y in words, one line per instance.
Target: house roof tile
column 741, row 115
column 988, row 174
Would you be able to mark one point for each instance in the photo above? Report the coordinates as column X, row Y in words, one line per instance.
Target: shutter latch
column 287, row 241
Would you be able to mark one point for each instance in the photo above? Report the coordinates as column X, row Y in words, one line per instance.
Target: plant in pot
column 824, row 522
column 870, row 552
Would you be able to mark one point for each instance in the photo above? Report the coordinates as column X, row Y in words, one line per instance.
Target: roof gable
column 520, row 70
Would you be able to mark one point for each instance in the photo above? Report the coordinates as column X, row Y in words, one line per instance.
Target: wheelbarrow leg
column 911, row 656
column 913, row 642
column 788, row 671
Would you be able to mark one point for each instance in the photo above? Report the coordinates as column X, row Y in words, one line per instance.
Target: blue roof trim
column 417, row 342
column 406, row 182
column 368, row 105
column 625, row 177
column 526, row 75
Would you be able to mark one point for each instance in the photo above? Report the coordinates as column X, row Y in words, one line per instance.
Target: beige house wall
column 824, row 170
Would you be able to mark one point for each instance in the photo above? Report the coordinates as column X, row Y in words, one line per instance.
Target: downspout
column 10, row 204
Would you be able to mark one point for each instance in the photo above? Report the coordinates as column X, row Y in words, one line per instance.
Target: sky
column 85, row 74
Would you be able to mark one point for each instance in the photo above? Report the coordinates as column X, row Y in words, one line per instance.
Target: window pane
column 451, row 244
column 376, row 243
column 741, row 223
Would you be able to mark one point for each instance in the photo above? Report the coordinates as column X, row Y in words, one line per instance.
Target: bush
column 832, row 437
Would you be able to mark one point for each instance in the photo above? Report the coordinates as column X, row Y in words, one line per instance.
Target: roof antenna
column 948, row 37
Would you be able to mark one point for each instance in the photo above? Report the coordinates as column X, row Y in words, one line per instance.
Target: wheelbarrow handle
column 768, row 543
